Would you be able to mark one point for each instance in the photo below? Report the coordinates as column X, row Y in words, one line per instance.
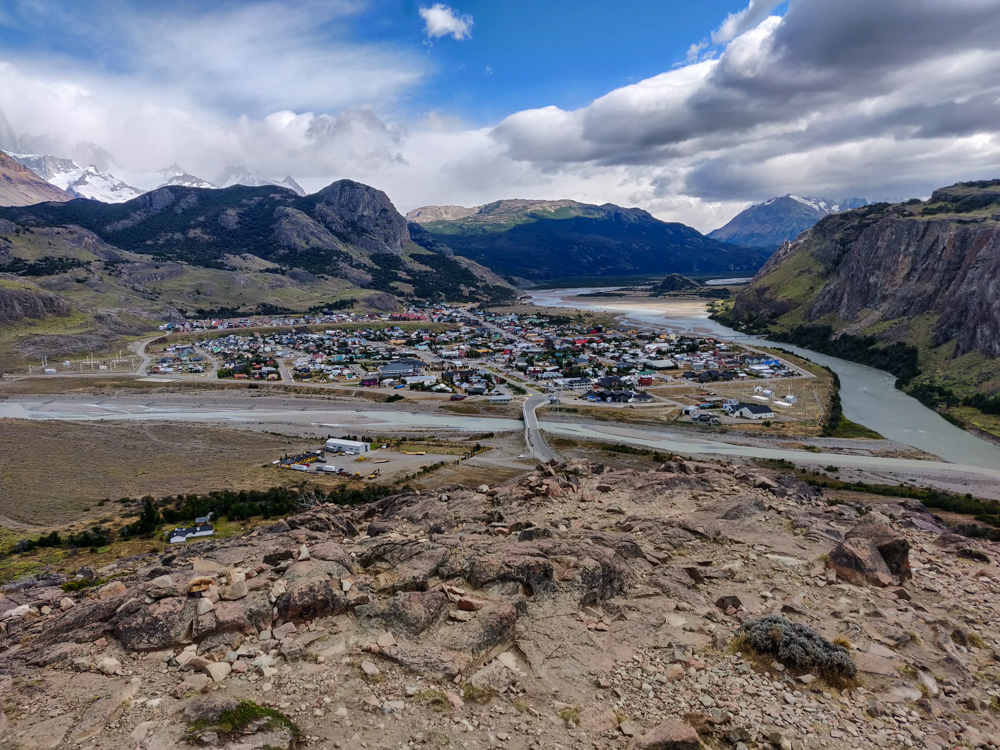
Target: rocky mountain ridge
column 531, row 240
column 179, row 250
column 573, row 606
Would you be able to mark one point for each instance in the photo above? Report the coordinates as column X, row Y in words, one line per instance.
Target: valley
column 497, row 376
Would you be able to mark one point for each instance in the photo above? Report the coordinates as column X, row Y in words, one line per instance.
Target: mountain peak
column 243, row 175
column 777, row 220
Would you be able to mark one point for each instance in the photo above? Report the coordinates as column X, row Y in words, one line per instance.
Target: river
column 869, row 396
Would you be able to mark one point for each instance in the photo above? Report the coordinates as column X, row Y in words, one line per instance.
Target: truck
column 298, row 467
column 330, row 468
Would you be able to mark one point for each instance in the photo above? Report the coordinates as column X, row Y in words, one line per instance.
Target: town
column 458, row 352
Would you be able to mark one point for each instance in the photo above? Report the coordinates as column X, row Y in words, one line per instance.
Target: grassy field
column 54, row 473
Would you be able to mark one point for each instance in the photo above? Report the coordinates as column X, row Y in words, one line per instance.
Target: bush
column 797, row 647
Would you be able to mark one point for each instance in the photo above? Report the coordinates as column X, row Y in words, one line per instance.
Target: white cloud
column 442, row 21
column 878, row 100
column 746, row 19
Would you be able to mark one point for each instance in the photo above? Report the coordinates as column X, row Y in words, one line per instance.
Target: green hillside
column 538, row 240
column 89, row 275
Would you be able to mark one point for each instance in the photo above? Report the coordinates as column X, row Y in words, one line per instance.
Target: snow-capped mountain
column 822, row 204
column 45, row 166
column 251, row 178
column 89, row 182
column 177, row 175
column 96, row 185
column 777, row 220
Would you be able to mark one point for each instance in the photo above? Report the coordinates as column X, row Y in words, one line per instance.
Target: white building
column 182, row 535
column 752, row 411
column 350, row 447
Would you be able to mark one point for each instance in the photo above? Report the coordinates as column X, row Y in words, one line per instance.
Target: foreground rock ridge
column 574, row 607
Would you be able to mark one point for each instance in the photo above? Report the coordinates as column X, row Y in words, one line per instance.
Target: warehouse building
column 350, row 447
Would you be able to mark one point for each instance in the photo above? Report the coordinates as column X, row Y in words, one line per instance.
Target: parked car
column 457, row 397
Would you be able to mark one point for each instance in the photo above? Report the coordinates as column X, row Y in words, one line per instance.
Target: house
column 198, row 530
column 751, row 411
column 452, row 375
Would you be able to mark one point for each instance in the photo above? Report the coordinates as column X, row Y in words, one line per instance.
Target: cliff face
column 903, row 268
column 364, row 215
column 884, row 263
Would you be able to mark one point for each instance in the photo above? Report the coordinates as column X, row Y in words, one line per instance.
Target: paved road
column 308, row 419
column 540, row 450
column 139, row 347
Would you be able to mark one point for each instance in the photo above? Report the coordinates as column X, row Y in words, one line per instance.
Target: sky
column 690, row 110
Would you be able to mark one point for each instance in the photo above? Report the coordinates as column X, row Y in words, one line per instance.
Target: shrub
column 798, row 647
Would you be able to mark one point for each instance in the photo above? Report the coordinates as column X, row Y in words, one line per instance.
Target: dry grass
column 435, row 700
column 54, row 473
column 478, row 695
column 465, row 474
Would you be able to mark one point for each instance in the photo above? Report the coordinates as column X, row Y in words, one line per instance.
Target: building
column 752, row 411
column 350, row 447
column 401, row 368
column 182, row 535
column 661, row 364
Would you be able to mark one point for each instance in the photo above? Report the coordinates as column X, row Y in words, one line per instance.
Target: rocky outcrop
column 884, row 263
column 583, row 616
column 363, row 216
column 21, row 302
column 872, row 553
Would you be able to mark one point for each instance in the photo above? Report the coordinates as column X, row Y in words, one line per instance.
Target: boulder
column 115, row 588
column 891, row 545
column 109, row 665
column 413, row 612
column 85, row 622
column 311, row 598
column 858, row 561
column 532, row 571
column 235, row 590
column 670, row 735
column 430, row 661
column 163, row 624
column 218, row 671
